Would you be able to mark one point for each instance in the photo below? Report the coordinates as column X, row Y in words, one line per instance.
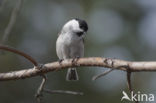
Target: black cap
column 82, row 24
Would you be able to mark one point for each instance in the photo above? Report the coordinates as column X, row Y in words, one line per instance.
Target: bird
column 70, row 44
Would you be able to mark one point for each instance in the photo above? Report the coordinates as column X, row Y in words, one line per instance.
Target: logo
column 137, row 96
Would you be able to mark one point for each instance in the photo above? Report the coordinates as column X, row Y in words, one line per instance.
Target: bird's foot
column 40, row 66
column 60, row 61
column 74, row 61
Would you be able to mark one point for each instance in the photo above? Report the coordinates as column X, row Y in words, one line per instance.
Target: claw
column 40, row 66
column 75, row 59
column 60, row 61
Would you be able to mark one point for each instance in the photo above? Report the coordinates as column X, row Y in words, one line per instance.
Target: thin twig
column 11, row 21
column 129, row 81
column 38, row 94
column 7, row 48
column 62, row 92
column 102, row 74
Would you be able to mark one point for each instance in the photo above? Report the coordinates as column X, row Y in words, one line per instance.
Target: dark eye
column 79, row 33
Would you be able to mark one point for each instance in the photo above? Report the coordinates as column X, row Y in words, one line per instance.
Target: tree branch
column 102, row 74
column 11, row 21
column 10, row 49
column 91, row 61
column 38, row 95
column 62, row 92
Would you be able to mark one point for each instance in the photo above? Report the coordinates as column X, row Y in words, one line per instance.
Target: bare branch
column 11, row 22
column 40, row 89
column 91, row 61
column 62, row 92
column 129, row 81
column 102, row 74
column 4, row 47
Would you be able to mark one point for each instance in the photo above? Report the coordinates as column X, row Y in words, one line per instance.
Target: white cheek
column 75, row 26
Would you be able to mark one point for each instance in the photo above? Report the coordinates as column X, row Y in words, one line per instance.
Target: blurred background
column 122, row 29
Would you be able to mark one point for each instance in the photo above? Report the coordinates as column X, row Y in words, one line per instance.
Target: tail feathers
column 72, row 74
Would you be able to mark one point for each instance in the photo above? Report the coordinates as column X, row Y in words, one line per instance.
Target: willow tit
column 70, row 43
